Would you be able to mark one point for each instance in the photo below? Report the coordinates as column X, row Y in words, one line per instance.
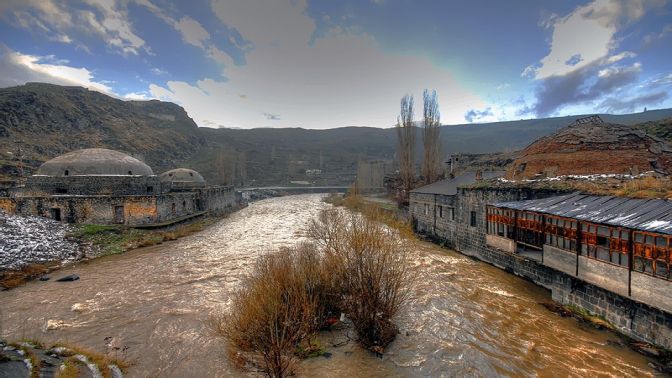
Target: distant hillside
column 49, row 120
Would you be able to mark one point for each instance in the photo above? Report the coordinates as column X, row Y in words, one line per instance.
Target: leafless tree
column 225, row 166
column 371, row 264
column 276, row 309
column 430, row 137
column 242, row 168
column 406, row 146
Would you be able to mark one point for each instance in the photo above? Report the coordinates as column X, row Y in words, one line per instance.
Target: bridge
column 297, row 189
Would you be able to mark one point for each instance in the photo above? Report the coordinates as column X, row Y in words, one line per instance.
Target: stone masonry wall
column 91, row 185
column 438, row 221
column 630, row 317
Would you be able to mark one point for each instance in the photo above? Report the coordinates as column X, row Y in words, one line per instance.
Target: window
column 150, row 189
column 440, row 211
column 66, row 173
column 452, row 213
column 472, row 220
column 61, row 191
column 605, row 243
column 130, row 173
column 651, row 254
column 561, row 232
column 530, row 229
column 500, row 221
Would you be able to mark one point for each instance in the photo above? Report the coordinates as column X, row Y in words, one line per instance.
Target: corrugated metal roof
column 449, row 186
column 653, row 215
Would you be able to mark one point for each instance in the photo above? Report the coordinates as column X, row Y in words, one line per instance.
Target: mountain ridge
column 48, row 120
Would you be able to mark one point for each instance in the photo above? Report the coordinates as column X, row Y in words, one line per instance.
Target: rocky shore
column 31, row 359
column 35, row 240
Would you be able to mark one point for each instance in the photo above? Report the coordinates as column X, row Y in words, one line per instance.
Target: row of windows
column 442, row 211
column 651, row 253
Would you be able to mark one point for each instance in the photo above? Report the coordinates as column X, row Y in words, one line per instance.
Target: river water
column 466, row 317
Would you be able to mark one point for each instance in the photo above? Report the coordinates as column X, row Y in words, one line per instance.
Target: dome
column 184, row 177
column 94, row 162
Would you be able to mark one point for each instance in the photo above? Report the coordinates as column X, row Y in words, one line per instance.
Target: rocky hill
column 49, row 120
column 598, row 148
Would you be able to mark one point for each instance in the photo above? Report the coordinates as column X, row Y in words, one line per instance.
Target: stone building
column 103, row 186
column 608, row 255
column 433, row 206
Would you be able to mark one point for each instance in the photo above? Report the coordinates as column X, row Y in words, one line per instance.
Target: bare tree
column 225, row 166
column 430, row 137
column 406, row 146
column 276, row 308
column 242, row 168
column 371, row 266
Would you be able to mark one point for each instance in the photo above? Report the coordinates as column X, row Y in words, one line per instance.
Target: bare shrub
column 355, row 264
column 277, row 307
column 370, row 269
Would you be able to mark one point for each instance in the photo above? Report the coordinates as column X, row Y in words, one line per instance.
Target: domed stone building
column 94, row 171
column 598, row 148
column 182, row 179
column 103, row 186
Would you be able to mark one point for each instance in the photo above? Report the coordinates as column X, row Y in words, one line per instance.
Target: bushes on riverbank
column 352, row 265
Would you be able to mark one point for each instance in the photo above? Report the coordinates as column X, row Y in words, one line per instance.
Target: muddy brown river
column 466, row 317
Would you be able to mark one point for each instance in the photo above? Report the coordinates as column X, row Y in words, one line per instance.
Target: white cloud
column 59, row 19
column 267, row 23
column 337, row 81
column 20, row 68
column 192, row 31
column 587, row 35
column 137, row 96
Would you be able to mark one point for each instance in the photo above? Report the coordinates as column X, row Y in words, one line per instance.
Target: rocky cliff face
column 593, row 149
column 49, row 120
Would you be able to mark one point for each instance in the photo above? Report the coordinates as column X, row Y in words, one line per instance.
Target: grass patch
column 70, row 369
column 385, row 213
column 102, row 361
column 119, row 239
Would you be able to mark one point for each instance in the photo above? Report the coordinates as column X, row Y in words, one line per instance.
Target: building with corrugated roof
column 610, row 256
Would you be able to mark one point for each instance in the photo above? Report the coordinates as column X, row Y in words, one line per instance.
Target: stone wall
column 91, row 185
column 129, row 210
column 434, row 215
column 629, row 316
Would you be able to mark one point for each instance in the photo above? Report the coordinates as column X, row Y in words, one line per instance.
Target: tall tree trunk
column 406, row 146
column 431, row 164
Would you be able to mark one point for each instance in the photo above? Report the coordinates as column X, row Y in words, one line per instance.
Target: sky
column 324, row 64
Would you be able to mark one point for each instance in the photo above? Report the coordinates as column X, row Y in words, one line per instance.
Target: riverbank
column 30, row 358
column 466, row 318
column 660, row 358
column 33, row 247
